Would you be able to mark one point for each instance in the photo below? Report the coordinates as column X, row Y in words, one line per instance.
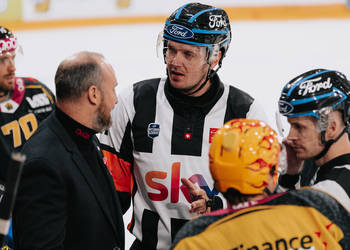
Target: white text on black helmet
column 217, row 21
column 312, row 85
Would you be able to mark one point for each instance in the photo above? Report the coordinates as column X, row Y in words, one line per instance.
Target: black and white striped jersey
column 332, row 177
column 159, row 136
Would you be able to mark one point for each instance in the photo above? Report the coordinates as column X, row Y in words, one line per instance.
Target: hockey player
column 157, row 147
column 24, row 102
column 316, row 104
column 244, row 159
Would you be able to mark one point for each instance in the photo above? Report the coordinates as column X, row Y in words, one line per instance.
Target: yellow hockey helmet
column 242, row 154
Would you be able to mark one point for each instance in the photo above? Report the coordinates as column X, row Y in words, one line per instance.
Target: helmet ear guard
column 212, row 54
column 323, row 118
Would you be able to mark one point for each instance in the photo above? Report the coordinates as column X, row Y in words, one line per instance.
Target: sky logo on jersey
column 179, row 31
column 155, row 180
column 153, row 130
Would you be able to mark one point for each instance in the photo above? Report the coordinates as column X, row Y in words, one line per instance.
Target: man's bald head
column 77, row 73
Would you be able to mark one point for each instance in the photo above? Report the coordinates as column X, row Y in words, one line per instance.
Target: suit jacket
column 59, row 203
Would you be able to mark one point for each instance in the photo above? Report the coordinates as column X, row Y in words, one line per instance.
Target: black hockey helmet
column 315, row 93
column 310, row 92
column 201, row 25
column 8, row 41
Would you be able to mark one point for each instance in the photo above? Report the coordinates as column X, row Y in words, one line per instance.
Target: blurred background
column 272, row 40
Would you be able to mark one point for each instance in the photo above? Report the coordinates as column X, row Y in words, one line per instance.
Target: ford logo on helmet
column 179, row 31
column 285, row 107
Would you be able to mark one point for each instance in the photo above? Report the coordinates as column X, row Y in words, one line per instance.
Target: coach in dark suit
column 66, row 198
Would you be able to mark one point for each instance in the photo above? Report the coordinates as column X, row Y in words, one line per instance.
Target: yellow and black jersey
column 299, row 219
column 29, row 104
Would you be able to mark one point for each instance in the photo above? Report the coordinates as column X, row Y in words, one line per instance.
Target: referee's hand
column 198, row 197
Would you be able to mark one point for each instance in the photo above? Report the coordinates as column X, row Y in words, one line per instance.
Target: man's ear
column 94, row 95
column 216, row 60
column 335, row 126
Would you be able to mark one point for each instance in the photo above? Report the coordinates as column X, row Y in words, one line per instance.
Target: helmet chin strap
column 210, row 74
column 329, row 143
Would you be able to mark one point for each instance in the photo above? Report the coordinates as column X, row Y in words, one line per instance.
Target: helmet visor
column 282, row 124
column 188, row 55
column 160, row 45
